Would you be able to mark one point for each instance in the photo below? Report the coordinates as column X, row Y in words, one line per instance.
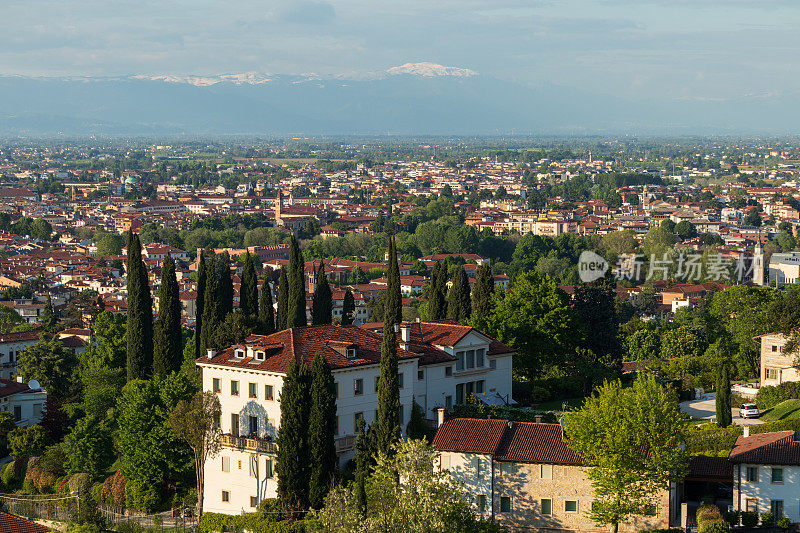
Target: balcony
column 254, row 444
column 346, row 443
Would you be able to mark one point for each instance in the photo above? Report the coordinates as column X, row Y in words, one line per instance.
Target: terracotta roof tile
column 470, row 435
column 532, row 442
column 14, row 524
column 777, row 448
column 704, row 467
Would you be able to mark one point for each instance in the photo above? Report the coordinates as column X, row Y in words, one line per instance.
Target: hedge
column 254, row 522
column 517, row 414
column 771, row 395
column 710, row 439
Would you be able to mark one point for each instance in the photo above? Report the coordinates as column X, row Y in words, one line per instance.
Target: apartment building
column 439, row 364
column 777, row 365
column 525, row 476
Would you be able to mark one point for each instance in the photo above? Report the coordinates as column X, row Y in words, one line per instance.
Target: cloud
column 303, row 12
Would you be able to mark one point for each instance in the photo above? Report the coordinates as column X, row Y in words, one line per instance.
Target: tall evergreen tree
column 322, row 302
column 417, row 427
column 139, row 325
column 459, row 303
column 168, row 341
column 211, row 309
column 266, row 313
column 248, row 292
column 482, row 292
column 388, row 422
column 293, row 466
column 437, row 306
column 199, row 303
column 283, row 301
column 48, row 318
column 724, row 416
column 348, row 308
column 224, row 285
column 394, row 301
column 365, row 451
column 296, row 313
column 321, row 431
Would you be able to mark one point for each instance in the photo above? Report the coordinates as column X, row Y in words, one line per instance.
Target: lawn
column 783, row 411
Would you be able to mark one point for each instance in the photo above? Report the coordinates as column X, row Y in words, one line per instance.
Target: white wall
column 765, row 490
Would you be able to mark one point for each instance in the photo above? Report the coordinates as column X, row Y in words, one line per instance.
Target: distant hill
column 413, row 99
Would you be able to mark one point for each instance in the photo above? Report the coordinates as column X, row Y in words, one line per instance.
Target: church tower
column 758, row 263
column 278, row 207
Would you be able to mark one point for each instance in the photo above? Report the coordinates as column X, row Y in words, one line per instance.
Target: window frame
column 567, row 502
column 252, row 390
column 226, row 496
column 506, row 508
column 216, row 385
column 773, row 471
column 546, row 468
column 269, row 393
column 235, row 385
column 358, row 386
column 549, row 511
column 747, row 477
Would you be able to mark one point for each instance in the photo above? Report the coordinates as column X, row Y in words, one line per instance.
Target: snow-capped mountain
column 250, row 78
column 430, row 70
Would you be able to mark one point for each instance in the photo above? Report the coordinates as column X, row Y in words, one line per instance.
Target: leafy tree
column 657, row 242
column 248, row 293
column 348, row 308
column 321, row 431
column 108, row 244
column 193, row 422
column 644, row 345
column 293, row 466
column 685, row 230
column 27, row 441
column 631, row 440
column 322, row 302
column 266, row 313
column 140, row 314
column 168, row 342
column 296, row 312
column 388, row 421
column 753, row 218
column 537, row 320
column 233, row 330
column 282, row 319
column 406, row 492
column 102, row 386
column 459, row 304
column 7, row 425
column 88, row 447
column 51, row 365
column 10, row 319
column 668, row 225
column 620, row 242
column 357, row 276
column 786, row 241
column 685, row 341
column 482, row 292
column 595, row 304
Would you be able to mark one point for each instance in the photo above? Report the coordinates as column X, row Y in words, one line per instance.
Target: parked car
column 749, row 410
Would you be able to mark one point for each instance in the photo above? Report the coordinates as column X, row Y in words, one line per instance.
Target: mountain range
column 412, row 99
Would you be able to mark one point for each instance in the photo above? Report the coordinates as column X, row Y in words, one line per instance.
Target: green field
column 783, row 411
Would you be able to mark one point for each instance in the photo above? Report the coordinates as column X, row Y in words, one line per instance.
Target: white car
column 749, row 410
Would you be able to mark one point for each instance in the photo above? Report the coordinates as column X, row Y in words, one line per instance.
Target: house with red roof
column 525, row 476
column 439, row 364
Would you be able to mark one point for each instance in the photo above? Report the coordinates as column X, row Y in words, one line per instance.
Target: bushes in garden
column 216, row 522
column 506, row 413
column 749, row 519
column 113, row 490
column 771, row 395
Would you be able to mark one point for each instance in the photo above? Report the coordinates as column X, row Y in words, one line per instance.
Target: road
column 707, row 409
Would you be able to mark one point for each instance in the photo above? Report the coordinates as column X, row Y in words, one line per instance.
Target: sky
column 675, row 49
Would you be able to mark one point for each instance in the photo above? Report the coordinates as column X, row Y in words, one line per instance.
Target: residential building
column 23, row 400
column 439, row 364
column 525, row 476
column 767, row 473
column 777, row 366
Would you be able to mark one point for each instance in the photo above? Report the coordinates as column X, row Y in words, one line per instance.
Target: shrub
column 770, row 396
column 80, row 482
column 539, row 394
column 784, row 522
column 141, row 496
column 215, row 522
column 113, row 492
column 7, row 475
column 714, row 527
column 707, row 514
column 732, row 517
column 96, row 492
column 749, row 519
column 767, row 519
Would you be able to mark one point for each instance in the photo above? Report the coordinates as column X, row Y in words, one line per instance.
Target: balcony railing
column 261, row 445
column 255, row 444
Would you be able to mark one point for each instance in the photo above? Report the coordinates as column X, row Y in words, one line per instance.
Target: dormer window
column 239, row 354
column 260, row 355
column 351, row 353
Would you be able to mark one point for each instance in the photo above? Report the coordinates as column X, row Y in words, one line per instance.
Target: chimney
column 396, row 328
column 439, row 417
column 538, row 419
column 19, row 379
column 210, row 353
column 746, row 431
column 405, row 332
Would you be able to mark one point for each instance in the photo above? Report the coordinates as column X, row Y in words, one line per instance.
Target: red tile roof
column 710, row 468
column 470, row 435
column 9, row 387
column 778, row 448
column 14, row 524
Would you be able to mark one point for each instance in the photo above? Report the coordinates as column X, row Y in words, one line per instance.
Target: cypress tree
column 388, row 423
column 248, row 292
column 365, row 449
column 266, row 313
column 211, row 309
column 199, row 303
column 296, row 314
column 724, row 417
column 459, row 304
column 394, row 302
column 48, row 317
column 293, row 458
column 283, row 300
column 437, row 306
column 322, row 302
column 348, row 308
column 139, row 335
column 417, row 427
column 168, row 345
column 321, row 431
column 224, row 286
column 482, row 292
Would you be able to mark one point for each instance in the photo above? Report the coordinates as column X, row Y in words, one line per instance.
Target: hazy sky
column 699, row 49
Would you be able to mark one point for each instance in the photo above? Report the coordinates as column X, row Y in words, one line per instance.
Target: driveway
column 707, row 409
